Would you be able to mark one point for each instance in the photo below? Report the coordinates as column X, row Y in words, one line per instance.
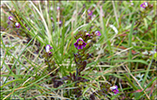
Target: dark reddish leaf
column 133, row 52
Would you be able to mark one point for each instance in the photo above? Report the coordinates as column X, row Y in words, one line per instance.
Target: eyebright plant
column 81, row 58
column 145, row 9
column 52, row 66
column 90, row 16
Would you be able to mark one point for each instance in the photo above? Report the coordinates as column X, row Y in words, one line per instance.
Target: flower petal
column 89, row 12
column 17, row 25
column 10, row 18
column 79, row 44
column 84, row 44
column 80, row 47
column 48, row 48
column 98, row 33
column 76, row 44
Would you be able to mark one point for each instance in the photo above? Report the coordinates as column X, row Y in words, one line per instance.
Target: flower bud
column 10, row 18
column 17, row 25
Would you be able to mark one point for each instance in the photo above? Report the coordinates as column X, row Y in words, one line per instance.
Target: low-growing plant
column 79, row 50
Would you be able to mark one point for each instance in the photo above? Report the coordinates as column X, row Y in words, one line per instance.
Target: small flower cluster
column 114, row 89
column 17, row 25
column 14, row 22
column 80, row 43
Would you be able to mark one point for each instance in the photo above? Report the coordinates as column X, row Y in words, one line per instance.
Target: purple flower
column 9, row 22
column 87, row 34
column 90, row 12
column 28, row 28
column 17, row 25
column 114, row 89
column 144, row 5
column 52, row 18
column 48, row 48
column 98, row 33
column 60, row 22
column 58, row 8
column 80, row 44
column 10, row 18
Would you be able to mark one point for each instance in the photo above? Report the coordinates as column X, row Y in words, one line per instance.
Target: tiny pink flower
column 144, row 5
column 80, row 43
column 98, row 33
column 10, row 18
column 17, row 25
column 114, row 89
column 90, row 12
column 48, row 48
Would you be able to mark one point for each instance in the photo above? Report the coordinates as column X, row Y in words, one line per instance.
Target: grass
column 124, row 54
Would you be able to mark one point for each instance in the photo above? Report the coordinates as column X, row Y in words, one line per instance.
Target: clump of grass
column 120, row 62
